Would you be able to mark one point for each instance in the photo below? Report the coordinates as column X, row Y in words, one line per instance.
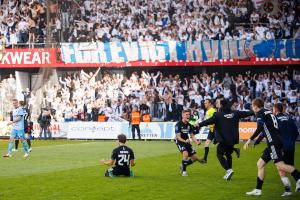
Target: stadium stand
column 152, row 20
column 164, row 95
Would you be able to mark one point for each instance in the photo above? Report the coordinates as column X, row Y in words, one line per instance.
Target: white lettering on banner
column 101, row 51
column 36, row 58
column 16, row 58
column 26, row 58
column 172, row 50
column 115, row 50
column 67, row 51
column 247, row 130
column 194, row 47
column 45, row 58
column 145, row 50
column 132, row 50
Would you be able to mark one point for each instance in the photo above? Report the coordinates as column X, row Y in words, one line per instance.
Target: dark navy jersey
column 288, row 131
column 184, row 129
column 122, row 156
column 26, row 118
column 268, row 125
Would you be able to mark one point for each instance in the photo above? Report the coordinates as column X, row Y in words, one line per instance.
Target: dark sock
column 189, row 162
column 259, row 183
column 296, row 175
column 206, row 150
column 29, row 143
column 16, row 144
column 184, row 165
column 287, row 188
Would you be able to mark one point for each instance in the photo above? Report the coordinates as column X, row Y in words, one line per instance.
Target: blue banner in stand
column 195, row 51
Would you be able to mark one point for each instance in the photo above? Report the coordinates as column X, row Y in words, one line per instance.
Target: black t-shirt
column 184, row 129
column 267, row 123
column 226, row 125
column 122, row 156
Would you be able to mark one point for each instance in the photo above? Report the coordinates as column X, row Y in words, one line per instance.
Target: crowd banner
column 194, row 51
column 12, row 58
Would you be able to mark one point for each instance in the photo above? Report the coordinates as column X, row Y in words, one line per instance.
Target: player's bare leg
column 281, row 166
column 260, row 178
column 286, row 182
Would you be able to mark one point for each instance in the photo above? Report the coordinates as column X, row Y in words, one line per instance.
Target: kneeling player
column 182, row 130
column 122, row 158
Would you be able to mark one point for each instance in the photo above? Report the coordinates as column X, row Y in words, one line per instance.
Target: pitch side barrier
column 110, row 130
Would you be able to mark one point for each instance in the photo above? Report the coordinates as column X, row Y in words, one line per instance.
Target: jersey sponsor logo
column 283, row 118
column 229, row 116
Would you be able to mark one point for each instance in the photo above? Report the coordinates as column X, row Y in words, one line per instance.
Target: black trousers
column 137, row 128
column 224, row 155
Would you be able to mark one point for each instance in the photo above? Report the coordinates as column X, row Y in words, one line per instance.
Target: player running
column 268, row 125
column 226, row 123
column 184, row 130
column 18, row 129
column 122, row 158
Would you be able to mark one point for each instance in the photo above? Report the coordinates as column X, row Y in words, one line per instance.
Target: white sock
column 286, row 182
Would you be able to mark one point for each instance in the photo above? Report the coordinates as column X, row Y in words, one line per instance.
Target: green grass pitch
column 63, row 170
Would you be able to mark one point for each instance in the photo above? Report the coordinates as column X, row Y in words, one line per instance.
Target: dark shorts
column 33, row 30
column 289, row 157
column 114, row 171
column 272, row 153
column 211, row 136
column 185, row 147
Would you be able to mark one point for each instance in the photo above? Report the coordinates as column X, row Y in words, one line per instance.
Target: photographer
column 44, row 122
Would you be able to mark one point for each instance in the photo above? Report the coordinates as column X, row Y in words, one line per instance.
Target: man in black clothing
column 44, row 121
column 289, row 134
column 226, row 133
column 122, row 158
column 184, row 130
column 268, row 125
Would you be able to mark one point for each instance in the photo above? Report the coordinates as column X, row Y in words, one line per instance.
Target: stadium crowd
column 83, row 96
column 180, row 20
column 23, row 21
